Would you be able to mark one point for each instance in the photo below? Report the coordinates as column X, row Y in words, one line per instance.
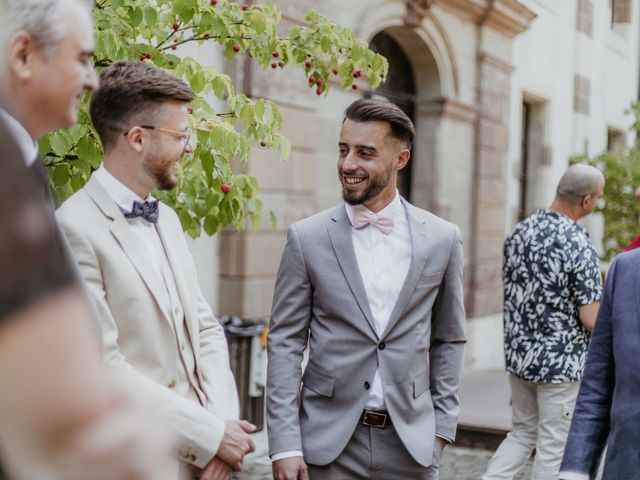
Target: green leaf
column 60, row 174
column 135, row 16
column 61, row 143
column 150, row 16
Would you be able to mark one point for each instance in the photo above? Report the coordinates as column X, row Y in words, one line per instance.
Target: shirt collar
column 394, row 208
column 27, row 145
column 119, row 192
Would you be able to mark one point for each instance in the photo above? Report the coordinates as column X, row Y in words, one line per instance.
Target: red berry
column 174, row 46
column 354, row 86
column 308, row 55
column 357, row 74
column 312, row 79
column 225, row 188
column 274, row 65
column 206, row 35
column 148, row 55
column 318, row 92
column 334, row 71
column 245, row 7
column 318, row 82
column 142, row 57
column 236, row 48
column 189, row 109
column 175, row 25
column 276, row 54
column 281, row 64
column 214, row 2
column 307, row 63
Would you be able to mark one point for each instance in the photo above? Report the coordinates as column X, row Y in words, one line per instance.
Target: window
column 581, row 94
column 584, row 17
column 620, row 11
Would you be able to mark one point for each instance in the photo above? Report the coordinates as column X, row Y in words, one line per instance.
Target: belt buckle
column 377, row 416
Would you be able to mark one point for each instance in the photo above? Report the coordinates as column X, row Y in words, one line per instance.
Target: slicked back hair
column 42, row 20
column 373, row 110
column 130, row 93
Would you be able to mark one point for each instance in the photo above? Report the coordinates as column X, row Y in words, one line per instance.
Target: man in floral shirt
column 552, row 289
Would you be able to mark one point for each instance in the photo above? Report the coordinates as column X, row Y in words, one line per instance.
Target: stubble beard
column 160, row 170
column 376, row 184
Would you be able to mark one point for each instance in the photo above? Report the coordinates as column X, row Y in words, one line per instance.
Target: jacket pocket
column 318, row 382
column 420, row 385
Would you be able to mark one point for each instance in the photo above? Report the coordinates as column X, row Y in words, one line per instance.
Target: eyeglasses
column 185, row 135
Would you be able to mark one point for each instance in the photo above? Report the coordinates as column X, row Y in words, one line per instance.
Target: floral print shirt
column 550, row 269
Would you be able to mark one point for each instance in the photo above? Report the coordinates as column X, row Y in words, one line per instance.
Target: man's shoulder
column 320, row 219
column 74, row 207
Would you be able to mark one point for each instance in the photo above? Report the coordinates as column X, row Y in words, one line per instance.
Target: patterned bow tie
column 362, row 218
column 147, row 210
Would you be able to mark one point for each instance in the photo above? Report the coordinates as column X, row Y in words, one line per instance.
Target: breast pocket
column 318, row 382
column 430, row 279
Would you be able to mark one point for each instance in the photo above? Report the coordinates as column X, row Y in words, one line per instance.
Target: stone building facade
column 502, row 92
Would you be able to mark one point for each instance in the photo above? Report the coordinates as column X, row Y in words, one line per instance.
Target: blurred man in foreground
column 61, row 415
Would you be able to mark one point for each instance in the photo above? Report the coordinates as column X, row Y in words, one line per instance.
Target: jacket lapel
column 340, row 235
column 127, row 240
column 419, row 255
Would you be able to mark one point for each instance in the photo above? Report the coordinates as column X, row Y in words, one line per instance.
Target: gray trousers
column 377, row 454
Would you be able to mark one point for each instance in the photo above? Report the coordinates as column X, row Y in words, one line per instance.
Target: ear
column 403, row 158
column 135, row 139
column 22, row 53
column 586, row 201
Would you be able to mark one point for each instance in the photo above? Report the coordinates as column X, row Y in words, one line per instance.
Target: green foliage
column 619, row 206
column 133, row 29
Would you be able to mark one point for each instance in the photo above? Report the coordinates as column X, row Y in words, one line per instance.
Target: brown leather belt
column 377, row 419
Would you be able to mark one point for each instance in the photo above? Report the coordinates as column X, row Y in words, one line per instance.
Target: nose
column 188, row 148
column 91, row 84
column 349, row 162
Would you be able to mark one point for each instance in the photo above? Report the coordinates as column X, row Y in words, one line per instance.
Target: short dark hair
column 129, row 92
column 371, row 110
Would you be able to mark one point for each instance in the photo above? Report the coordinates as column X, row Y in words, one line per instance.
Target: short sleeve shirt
column 550, row 270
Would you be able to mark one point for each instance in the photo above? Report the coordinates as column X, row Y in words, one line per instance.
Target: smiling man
column 158, row 330
column 374, row 286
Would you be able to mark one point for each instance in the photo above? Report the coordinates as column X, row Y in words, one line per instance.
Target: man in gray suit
column 374, row 286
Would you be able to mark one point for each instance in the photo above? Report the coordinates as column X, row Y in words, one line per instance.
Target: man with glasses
column 158, row 329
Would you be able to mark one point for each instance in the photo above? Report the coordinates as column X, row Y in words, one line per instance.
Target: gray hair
column 578, row 181
column 40, row 19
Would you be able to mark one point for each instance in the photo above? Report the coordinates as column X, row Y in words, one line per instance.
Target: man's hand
column 442, row 442
column 291, row 468
column 216, row 469
column 236, row 443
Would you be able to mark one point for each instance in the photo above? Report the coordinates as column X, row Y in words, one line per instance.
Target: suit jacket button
column 381, row 346
column 367, row 385
column 171, row 384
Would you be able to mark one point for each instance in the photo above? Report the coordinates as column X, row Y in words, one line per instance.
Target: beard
column 375, row 185
column 159, row 167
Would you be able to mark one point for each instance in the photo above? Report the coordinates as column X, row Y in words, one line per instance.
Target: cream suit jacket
column 138, row 333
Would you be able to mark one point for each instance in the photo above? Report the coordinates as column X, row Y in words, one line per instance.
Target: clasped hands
column 235, row 444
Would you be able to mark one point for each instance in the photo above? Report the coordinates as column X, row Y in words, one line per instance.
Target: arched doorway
column 399, row 88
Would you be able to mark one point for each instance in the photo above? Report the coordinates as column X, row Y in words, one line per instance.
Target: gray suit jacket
column 320, row 297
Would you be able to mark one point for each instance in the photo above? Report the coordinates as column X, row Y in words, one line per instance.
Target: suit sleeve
column 219, row 383
column 288, row 335
column 447, row 344
column 199, row 432
column 590, row 423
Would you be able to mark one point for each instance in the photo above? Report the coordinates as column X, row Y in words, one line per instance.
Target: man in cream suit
column 158, row 330
column 374, row 287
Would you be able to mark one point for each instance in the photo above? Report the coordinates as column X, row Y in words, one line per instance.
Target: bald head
column 579, row 181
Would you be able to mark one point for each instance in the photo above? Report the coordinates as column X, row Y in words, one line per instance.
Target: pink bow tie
column 362, row 218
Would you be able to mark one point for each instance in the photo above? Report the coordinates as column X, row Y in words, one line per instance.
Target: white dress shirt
column 26, row 144
column 383, row 261
column 144, row 231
